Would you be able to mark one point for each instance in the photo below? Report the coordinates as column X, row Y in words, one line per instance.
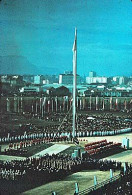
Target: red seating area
column 100, row 147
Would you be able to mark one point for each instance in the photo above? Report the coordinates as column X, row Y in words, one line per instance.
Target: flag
column 36, row 106
column 125, row 104
column 64, row 100
column 116, row 103
column 97, row 103
column 48, row 105
column 21, row 103
column 90, row 103
column 8, row 135
column 56, row 103
column 110, row 103
column 77, row 101
column 52, row 105
column 44, row 100
column 43, row 105
column 40, row 104
column 80, row 104
column 75, row 42
column 103, row 104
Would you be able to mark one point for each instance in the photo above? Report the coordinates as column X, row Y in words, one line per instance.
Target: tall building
column 67, row 79
column 38, row 79
column 122, row 80
column 92, row 74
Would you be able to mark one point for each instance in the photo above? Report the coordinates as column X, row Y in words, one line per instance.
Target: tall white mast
column 74, row 81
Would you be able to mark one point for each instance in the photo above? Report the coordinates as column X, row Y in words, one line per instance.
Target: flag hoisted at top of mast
column 75, row 41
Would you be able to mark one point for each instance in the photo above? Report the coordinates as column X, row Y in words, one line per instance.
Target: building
column 38, row 79
column 122, row 80
column 12, row 79
column 115, row 80
column 45, row 82
column 92, row 74
column 28, row 78
column 116, row 93
column 67, row 79
column 30, row 89
column 119, row 80
column 96, row 80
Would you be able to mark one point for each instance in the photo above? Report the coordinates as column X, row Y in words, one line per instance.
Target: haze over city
column 37, row 37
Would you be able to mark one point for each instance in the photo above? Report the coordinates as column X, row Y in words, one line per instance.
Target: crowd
column 15, row 174
column 102, row 148
column 21, row 148
column 95, row 149
column 100, row 125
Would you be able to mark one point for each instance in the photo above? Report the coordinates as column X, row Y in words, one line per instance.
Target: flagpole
column 90, row 102
column 103, row 103
column 74, row 81
column 36, row 107
column 56, row 103
column 125, row 105
column 97, row 103
column 111, row 103
column 43, row 109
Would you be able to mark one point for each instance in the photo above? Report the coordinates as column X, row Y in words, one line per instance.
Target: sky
column 36, row 36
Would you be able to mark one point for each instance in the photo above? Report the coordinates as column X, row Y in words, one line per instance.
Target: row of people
column 96, row 126
column 57, row 133
column 104, row 149
column 59, row 162
column 97, row 142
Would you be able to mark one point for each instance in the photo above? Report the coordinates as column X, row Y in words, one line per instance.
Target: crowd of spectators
column 100, row 125
column 37, row 171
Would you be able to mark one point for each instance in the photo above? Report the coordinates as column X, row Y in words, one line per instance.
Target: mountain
column 20, row 65
column 16, row 65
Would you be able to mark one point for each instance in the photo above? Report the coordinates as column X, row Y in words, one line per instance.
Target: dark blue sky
column 36, row 36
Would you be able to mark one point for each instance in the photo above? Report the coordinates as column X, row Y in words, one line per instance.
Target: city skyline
column 37, row 38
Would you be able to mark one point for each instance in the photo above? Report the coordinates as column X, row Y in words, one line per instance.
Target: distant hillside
column 16, row 65
column 20, row 65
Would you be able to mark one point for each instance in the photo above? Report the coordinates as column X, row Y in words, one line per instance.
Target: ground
column 67, row 186
column 122, row 157
column 84, row 178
